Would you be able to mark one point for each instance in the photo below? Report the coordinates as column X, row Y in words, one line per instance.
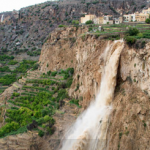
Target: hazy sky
column 9, row 5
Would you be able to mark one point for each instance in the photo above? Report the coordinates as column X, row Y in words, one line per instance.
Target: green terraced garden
column 35, row 105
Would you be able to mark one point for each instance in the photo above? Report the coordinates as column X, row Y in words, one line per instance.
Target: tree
column 147, row 21
column 132, row 31
column 41, row 133
column 89, row 22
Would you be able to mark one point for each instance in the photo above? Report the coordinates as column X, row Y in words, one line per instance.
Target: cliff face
column 129, row 121
column 71, row 48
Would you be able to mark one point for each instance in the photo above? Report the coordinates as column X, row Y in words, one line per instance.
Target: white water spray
column 2, row 18
column 90, row 129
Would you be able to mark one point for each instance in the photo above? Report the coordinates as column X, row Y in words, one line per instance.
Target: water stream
column 90, row 129
column 2, row 18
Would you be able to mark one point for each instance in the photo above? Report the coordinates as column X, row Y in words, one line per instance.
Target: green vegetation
column 129, row 35
column 12, row 62
column 24, row 66
column 75, row 101
column 132, row 31
column 75, row 22
column 130, row 40
column 89, row 22
column 35, row 66
column 147, row 21
column 61, row 25
column 36, row 105
column 41, row 133
column 34, row 53
column 8, row 79
column 5, row 69
column 6, row 57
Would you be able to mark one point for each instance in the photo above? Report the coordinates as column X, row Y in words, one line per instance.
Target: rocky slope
column 27, row 29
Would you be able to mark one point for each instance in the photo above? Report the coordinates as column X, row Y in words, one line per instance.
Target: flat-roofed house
column 98, row 20
column 86, row 18
column 146, row 11
column 108, row 19
column 140, row 17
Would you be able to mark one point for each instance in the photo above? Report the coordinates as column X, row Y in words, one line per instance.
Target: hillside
column 27, row 30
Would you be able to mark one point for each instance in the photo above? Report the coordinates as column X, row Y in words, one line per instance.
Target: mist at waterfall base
column 90, row 129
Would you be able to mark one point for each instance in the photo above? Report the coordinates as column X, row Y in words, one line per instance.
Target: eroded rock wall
column 129, row 125
column 71, row 48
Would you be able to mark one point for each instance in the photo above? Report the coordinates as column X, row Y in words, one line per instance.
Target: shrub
column 69, row 82
column 61, row 25
column 35, row 66
column 54, row 73
column 140, row 35
column 5, row 69
column 77, row 88
column 16, row 94
column 41, row 133
column 13, row 62
column 48, row 73
column 143, row 44
column 75, row 101
column 6, row 57
column 130, row 40
column 75, row 22
column 132, row 31
column 147, row 21
column 89, row 22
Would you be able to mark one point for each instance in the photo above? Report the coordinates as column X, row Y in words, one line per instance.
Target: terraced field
column 33, row 104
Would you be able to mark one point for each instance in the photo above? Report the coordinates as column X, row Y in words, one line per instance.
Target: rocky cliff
column 129, row 123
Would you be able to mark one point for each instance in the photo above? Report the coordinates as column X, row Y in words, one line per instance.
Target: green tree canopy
column 89, row 22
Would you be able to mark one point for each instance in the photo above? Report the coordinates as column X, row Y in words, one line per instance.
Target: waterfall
column 2, row 18
column 90, row 129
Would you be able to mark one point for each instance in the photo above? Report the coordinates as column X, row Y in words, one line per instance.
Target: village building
column 94, row 18
column 136, row 17
column 141, row 17
column 118, row 20
column 129, row 18
column 86, row 18
column 146, row 11
column 108, row 19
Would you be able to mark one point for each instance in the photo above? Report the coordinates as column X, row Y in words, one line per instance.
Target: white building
column 129, row 18
column 108, row 20
column 146, row 11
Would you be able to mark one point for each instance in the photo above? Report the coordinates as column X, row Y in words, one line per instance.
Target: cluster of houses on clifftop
column 109, row 19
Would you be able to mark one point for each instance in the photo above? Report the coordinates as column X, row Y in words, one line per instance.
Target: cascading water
column 90, row 129
column 2, row 18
